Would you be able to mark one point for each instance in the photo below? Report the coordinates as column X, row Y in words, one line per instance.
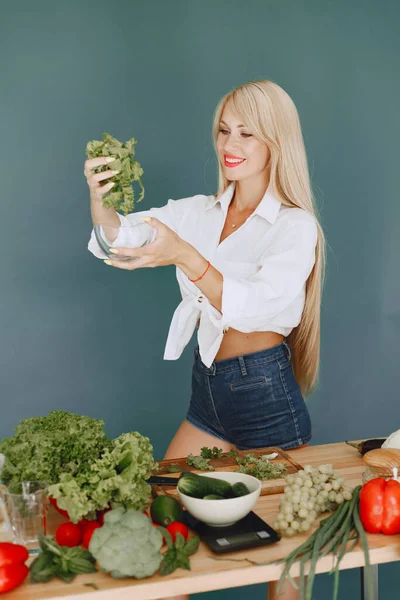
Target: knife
column 160, row 480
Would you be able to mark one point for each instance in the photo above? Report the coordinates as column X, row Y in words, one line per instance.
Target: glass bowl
column 133, row 235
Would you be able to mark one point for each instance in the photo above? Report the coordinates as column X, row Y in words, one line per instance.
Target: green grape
column 290, row 531
column 313, row 492
column 347, row 495
column 296, row 499
column 332, row 496
column 335, row 485
column 303, row 513
column 328, row 487
column 290, row 479
column 283, row 525
column 295, row 525
column 339, row 498
column 298, row 481
column 310, row 505
column 312, row 515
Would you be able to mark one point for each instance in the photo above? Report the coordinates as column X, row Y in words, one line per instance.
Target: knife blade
column 160, row 480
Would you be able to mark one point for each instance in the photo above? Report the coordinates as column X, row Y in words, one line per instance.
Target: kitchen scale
column 249, row 532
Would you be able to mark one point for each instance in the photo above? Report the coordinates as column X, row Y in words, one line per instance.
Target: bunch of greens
column 44, row 447
column 121, row 197
column 178, row 552
column 60, row 561
column 84, row 469
column 117, row 477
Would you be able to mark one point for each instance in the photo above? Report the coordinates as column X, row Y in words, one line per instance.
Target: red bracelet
column 201, row 276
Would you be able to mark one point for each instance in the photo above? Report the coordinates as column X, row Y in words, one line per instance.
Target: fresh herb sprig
column 178, row 552
column 200, row 463
column 122, row 196
column 60, row 561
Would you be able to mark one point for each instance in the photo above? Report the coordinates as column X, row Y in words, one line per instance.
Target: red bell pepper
column 380, row 506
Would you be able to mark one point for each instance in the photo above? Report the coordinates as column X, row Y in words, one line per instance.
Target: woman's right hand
column 97, row 190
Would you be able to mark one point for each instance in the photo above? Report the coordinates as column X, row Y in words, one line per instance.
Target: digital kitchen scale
column 249, row 532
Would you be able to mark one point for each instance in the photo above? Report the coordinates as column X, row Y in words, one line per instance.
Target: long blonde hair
column 271, row 115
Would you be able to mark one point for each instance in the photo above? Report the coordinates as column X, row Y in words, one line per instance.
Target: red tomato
column 100, row 518
column 146, row 513
column 11, row 554
column 87, row 536
column 11, row 576
column 177, row 527
column 83, row 523
column 62, row 512
column 69, row 534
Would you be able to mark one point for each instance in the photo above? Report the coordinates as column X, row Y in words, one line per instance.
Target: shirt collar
column 268, row 208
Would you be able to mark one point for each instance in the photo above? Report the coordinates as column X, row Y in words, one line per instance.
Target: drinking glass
column 26, row 505
column 132, row 235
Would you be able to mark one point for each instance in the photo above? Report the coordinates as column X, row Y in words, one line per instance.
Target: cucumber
column 212, row 497
column 240, row 489
column 192, row 485
column 198, row 486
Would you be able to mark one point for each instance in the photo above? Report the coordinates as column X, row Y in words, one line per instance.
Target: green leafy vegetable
column 44, row 447
column 215, row 452
column 174, row 468
column 122, row 196
column 127, row 545
column 118, row 477
column 198, row 462
column 261, row 467
column 60, row 561
column 177, row 555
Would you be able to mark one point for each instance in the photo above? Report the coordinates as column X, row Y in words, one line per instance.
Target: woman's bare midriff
column 236, row 343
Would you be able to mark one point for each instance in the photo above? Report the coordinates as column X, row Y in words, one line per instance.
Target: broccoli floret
column 127, row 545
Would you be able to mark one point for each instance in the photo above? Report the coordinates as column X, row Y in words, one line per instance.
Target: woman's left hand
column 166, row 249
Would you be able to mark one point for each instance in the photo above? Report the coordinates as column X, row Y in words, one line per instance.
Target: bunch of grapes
column 307, row 494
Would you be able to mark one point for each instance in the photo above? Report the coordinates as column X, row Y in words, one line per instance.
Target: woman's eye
column 225, row 132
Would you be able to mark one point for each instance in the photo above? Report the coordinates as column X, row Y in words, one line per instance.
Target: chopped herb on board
column 260, row 467
column 200, row 463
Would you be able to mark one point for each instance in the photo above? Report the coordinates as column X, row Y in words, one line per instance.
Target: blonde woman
column 249, row 266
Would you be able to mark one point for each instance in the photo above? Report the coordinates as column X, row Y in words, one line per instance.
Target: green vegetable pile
column 44, row 447
column 260, row 467
column 122, row 196
column 60, row 561
column 86, row 471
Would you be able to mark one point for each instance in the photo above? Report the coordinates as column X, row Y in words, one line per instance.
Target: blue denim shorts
column 250, row 401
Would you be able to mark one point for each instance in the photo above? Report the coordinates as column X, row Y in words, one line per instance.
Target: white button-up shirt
column 265, row 264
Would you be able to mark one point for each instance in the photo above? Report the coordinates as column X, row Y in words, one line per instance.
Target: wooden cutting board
column 228, row 463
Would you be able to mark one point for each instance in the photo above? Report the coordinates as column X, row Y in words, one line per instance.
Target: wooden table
column 207, row 574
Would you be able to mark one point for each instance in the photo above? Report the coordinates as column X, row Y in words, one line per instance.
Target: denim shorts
column 250, row 401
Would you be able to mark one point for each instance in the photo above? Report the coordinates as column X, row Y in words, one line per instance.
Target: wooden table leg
column 374, row 569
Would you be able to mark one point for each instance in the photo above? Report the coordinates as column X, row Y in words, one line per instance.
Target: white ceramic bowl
column 220, row 513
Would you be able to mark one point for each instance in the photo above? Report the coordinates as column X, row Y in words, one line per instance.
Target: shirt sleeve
column 169, row 214
column 251, row 304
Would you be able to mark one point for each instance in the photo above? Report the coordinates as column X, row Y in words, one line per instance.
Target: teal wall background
column 80, row 336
